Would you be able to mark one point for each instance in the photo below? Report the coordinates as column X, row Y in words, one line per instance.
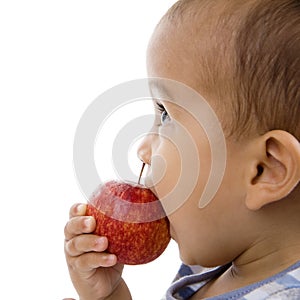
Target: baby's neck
column 265, row 258
column 254, row 265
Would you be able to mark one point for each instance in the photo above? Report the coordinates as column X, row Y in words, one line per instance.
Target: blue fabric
column 284, row 285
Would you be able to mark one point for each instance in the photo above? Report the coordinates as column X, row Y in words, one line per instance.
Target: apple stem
column 143, row 166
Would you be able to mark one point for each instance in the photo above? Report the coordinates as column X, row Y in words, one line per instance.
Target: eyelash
column 162, row 112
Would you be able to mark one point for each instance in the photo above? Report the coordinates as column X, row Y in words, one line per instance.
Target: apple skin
column 132, row 242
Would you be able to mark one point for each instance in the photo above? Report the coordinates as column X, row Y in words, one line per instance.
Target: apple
column 132, row 219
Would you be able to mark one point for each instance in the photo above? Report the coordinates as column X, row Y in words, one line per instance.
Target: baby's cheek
column 167, row 165
column 156, row 172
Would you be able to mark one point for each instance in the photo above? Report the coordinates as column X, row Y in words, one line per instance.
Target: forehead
column 184, row 38
column 196, row 47
column 167, row 46
column 172, row 54
column 195, row 25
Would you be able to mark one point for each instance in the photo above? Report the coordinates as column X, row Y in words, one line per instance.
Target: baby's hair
column 268, row 67
column 259, row 40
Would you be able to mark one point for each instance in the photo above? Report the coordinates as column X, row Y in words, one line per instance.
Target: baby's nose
column 144, row 150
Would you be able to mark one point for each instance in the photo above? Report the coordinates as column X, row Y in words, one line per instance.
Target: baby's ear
column 275, row 169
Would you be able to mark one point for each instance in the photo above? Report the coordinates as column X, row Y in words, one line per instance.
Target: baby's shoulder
column 286, row 294
column 285, row 285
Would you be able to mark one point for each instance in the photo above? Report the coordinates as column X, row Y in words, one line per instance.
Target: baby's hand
column 95, row 274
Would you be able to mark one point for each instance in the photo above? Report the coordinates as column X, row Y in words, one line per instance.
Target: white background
column 56, row 57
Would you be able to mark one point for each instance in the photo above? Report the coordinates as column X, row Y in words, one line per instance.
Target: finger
column 79, row 225
column 93, row 260
column 86, row 243
column 78, row 209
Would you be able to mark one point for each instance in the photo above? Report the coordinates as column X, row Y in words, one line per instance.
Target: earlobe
column 277, row 165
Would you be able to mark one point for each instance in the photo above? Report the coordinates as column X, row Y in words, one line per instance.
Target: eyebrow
column 158, row 90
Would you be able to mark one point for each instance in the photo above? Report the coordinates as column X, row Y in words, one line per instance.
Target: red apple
column 132, row 219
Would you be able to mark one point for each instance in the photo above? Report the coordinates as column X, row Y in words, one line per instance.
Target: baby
column 243, row 58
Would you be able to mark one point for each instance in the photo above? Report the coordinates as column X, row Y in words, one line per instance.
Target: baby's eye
column 164, row 116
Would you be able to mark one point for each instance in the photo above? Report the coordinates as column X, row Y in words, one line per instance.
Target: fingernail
column 100, row 241
column 88, row 222
column 81, row 209
column 111, row 258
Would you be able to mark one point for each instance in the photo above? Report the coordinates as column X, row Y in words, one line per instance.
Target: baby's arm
column 95, row 274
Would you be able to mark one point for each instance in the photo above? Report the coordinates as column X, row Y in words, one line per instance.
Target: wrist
column 121, row 292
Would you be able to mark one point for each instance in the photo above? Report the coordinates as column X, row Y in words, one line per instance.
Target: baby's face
column 198, row 231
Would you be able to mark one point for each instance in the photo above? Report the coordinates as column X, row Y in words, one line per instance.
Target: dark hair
column 267, row 69
column 265, row 61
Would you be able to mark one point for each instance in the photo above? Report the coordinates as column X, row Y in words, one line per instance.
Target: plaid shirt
column 282, row 286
